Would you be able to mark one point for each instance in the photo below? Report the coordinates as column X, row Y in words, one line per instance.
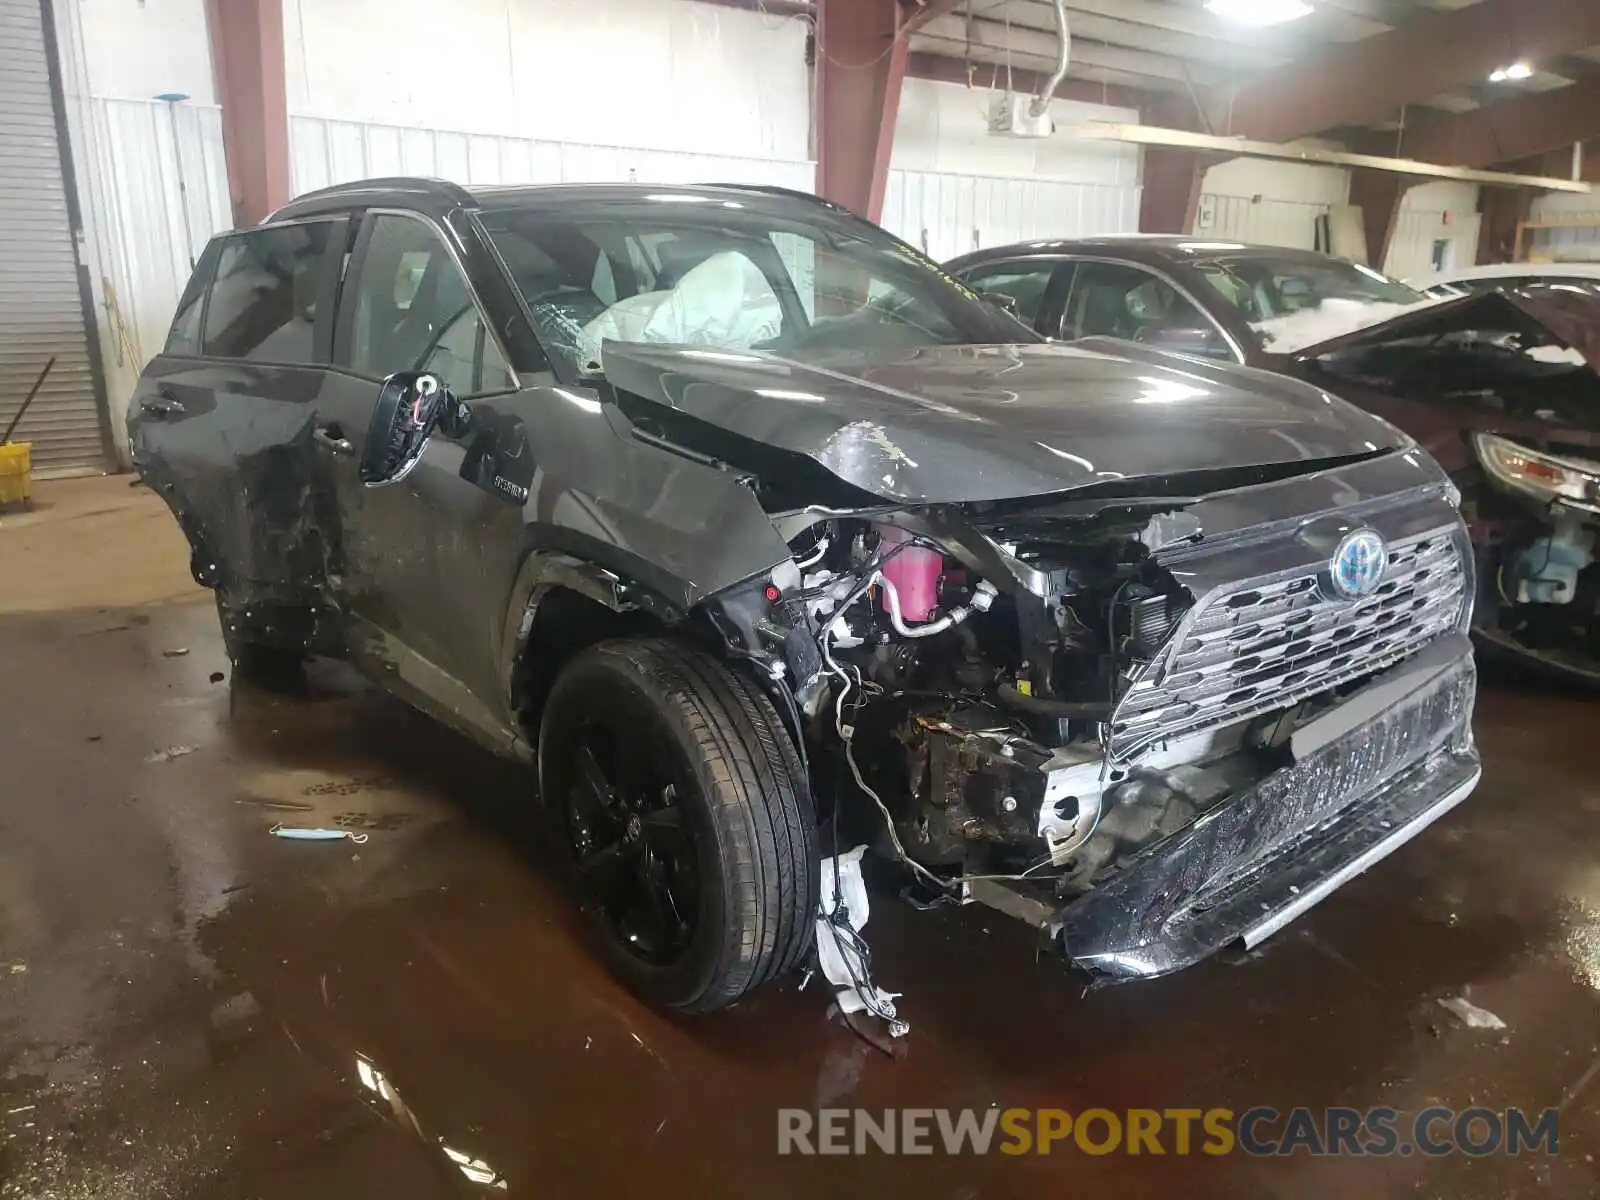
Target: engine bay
column 969, row 698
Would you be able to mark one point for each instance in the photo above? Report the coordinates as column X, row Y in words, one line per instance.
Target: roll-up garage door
column 41, row 306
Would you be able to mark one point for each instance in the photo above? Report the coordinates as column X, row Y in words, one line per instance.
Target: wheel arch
column 562, row 604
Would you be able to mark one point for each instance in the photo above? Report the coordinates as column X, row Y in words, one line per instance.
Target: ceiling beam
column 1511, row 130
column 1361, row 82
column 1149, row 135
column 1374, row 10
column 971, row 74
column 771, row 8
column 1117, row 23
column 914, row 14
column 958, row 33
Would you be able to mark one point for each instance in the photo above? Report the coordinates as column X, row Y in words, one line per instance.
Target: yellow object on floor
column 16, row 474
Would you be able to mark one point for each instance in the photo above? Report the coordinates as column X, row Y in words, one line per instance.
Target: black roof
column 1155, row 248
column 435, row 195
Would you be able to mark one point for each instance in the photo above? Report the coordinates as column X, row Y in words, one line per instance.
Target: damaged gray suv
column 762, row 536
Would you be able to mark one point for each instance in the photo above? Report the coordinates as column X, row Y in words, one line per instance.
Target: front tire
column 684, row 821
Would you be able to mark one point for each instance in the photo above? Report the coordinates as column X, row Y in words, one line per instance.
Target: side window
column 184, row 336
column 412, row 311
column 263, row 305
column 1022, row 284
column 1121, row 301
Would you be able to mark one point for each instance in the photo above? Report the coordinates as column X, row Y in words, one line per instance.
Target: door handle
column 334, row 440
column 163, row 405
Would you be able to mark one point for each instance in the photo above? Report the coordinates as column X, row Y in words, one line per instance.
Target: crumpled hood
column 1567, row 313
column 976, row 423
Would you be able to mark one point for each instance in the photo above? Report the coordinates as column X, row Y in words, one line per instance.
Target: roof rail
column 418, row 185
column 772, row 189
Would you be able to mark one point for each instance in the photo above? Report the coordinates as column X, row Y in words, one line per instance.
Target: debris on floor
column 175, row 652
column 170, row 753
column 217, row 677
column 302, row 833
column 1471, row 1015
column 844, row 956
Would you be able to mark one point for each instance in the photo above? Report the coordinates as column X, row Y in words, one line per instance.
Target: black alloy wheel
column 633, row 851
column 683, row 817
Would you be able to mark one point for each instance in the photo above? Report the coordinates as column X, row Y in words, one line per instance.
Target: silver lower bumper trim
column 1310, row 897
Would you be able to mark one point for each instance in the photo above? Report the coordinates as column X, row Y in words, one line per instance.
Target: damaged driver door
column 408, row 554
column 222, row 421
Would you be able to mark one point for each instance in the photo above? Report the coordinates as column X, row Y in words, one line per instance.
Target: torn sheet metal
column 845, row 960
column 1568, row 314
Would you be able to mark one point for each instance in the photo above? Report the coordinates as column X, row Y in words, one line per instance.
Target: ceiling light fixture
column 1260, row 12
column 1517, row 70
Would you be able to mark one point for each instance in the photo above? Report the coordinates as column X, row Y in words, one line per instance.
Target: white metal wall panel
column 1443, row 214
column 1259, row 221
column 661, row 73
column 325, row 151
column 41, row 305
column 1269, row 203
column 946, row 214
column 160, row 191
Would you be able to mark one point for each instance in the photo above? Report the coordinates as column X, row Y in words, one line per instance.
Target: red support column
column 861, row 63
column 1171, row 193
column 1504, row 210
column 1378, row 194
column 247, row 59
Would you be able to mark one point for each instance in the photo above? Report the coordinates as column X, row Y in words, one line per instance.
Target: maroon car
column 1502, row 388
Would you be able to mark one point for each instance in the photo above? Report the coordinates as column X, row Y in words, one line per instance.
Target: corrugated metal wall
column 160, row 191
column 1439, row 218
column 325, row 151
column 1260, row 221
column 1269, row 203
column 947, row 214
column 41, row 301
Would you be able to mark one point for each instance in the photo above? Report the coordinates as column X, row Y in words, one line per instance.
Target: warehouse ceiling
column 1178, row 47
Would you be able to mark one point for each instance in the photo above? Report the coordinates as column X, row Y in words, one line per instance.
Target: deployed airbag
column 724, row 302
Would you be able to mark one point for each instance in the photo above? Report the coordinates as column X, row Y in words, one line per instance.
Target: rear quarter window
column 263, row 304
column 184, row 336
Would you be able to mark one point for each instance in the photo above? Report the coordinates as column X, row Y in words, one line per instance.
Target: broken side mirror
column 1005, row 303
column 411, row 405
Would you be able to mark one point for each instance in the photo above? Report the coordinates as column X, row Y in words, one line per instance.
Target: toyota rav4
column 761, row 536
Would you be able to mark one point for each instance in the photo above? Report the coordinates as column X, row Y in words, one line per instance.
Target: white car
column 1500, row 276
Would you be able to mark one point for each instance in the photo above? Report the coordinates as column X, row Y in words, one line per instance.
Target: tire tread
column 760, row 806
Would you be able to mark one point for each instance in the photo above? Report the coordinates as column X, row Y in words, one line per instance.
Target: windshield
column 1297, row 300
column 683, row 269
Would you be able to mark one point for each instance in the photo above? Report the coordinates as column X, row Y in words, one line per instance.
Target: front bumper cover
column 1368, row 776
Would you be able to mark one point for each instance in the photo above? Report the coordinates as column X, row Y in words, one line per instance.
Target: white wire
column 944, row 885
column 828, row 635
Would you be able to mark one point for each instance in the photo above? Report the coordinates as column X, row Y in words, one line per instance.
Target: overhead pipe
column 1041, row 102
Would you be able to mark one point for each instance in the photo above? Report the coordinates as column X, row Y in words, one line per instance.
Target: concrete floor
column 183, row 999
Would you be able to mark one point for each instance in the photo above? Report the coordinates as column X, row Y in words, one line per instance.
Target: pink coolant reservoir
column 914, row 572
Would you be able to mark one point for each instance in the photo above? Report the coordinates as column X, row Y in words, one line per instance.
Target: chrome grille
column 1272, row 642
